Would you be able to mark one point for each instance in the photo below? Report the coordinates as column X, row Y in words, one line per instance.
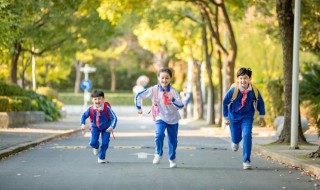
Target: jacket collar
column 167, row 88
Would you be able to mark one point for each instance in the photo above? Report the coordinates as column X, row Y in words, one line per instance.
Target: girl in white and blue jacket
column 165, row 105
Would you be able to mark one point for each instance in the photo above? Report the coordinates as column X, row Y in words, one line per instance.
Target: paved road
column 204, row 162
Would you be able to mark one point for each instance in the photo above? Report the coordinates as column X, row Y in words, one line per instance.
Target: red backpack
column 105, row 110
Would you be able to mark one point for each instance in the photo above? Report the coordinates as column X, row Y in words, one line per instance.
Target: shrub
column 47, row 91
column 47, row 106
column 11, row 89
column 4, row 104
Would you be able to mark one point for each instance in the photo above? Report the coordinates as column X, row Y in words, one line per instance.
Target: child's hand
column 139, row 111
column 262, row 122
column 89, row 128
column 227, row 121
column 83, row 127
column 110, row 129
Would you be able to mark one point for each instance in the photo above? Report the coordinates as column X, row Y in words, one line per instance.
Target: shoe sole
column 173, row 166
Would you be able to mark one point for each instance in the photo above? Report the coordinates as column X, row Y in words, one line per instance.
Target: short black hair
column 97, row 93
column 244, row 71
column 165, row 70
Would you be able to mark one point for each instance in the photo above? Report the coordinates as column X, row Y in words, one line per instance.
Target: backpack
column 105, row 110
column 155, row 109
column 236, row 91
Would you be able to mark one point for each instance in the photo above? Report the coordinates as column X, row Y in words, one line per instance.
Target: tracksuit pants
column 172, row 132
column 94, row 141
column 242, row 129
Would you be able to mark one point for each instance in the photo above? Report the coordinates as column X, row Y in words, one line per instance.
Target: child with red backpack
column 165, row 104
column 103, row 121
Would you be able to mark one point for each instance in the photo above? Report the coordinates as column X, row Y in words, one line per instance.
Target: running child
column 103, row 121
column 239, row 112
column 166, row 102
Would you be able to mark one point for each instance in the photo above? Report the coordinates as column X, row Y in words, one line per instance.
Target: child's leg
column 247, row 139
column 172, row 131
column 105, row 138
column 161, row 126
column 235, row 130
column 94, row 141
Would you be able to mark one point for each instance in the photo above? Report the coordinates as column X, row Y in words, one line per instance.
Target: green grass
column 113, row 98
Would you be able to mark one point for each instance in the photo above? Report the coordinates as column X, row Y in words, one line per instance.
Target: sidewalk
column 261, row 139
column 14, row 140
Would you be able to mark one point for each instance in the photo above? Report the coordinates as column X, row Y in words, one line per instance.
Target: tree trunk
column 210, row 103
column 286, row 21
column 220, row 95
column 286, row 29
column 232, row 52
column 14, row 62
column 196, row 91
column 77, row 82
column 113, row 77
column 315, row 154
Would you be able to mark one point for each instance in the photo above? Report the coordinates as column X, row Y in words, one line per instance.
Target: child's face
column 244, row 80
column 164, row 79
column 98, row 101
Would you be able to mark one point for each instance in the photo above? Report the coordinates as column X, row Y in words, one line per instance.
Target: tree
column 54, row 27
column 286, row 22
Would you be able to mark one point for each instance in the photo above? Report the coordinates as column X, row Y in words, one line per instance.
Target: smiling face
column 98, row 101
column 244, row 81
column 164, row 79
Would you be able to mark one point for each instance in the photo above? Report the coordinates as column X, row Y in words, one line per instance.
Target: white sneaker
column 101, row 160
column 156, row 159
column 173, row 163
column 95, row 152
column 246, row 165
column 234, row 147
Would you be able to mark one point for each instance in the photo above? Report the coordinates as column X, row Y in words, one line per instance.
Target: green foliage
column 47, row 91
column 309, row 86
column 4, row 102
column 310, row 92
column 21, row 100
column 20, row 103
column 11, row 90
column 47, row 106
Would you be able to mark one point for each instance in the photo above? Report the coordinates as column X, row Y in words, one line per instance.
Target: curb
column 24, row 146
column 287, row 159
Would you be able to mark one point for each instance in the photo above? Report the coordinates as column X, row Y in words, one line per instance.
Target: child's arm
column 83, row 118
column 176, row 101
column 225, row 105
column 113, row 119
column 261, row 109
column 147, row 93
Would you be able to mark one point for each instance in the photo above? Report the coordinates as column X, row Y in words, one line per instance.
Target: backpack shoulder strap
column 106, row 110
column 235, row 92
column 91, row 112
column 171, row 91
column 155, row 93
column 256, row 93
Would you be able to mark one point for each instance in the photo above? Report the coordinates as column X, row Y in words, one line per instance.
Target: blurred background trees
column 44, row 43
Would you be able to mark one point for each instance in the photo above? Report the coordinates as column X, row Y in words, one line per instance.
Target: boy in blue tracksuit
column 103, row 121
column 165, row 112
column 239, row 113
